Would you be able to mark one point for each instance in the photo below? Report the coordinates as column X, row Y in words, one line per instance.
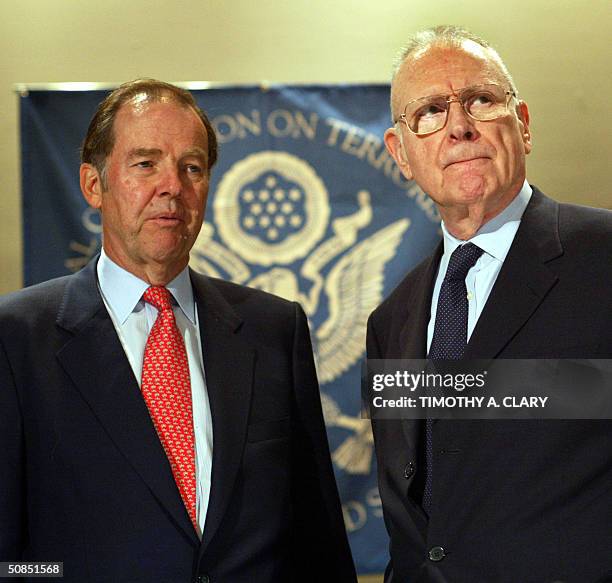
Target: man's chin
column 471, row 188
column 170, row 251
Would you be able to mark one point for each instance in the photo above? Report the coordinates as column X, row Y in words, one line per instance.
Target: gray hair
column 447, row 36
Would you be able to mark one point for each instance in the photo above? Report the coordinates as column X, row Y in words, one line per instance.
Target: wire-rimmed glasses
column 426, row 115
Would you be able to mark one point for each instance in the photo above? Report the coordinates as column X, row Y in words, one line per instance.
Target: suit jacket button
column 436, row 554
column 203, row 579
column 409, row 470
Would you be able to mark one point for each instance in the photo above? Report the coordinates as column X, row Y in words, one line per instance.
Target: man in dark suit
column 469, row 501
column 155, row 424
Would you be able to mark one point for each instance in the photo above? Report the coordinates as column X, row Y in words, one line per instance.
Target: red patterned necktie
column 166, row 389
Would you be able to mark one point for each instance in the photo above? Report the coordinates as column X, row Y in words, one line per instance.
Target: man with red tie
column 156, row 424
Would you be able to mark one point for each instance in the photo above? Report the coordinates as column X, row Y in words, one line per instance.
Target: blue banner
column 304, row 202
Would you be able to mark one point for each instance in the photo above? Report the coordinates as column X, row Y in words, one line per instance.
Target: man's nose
column 459, row 125
column 171, row 182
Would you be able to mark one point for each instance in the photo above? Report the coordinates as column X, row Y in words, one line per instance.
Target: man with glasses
column 517, row 276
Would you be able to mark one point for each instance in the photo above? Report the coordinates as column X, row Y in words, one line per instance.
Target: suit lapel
column 228, row 366
column 96, row 362
column 413, row 336
column 523, row 282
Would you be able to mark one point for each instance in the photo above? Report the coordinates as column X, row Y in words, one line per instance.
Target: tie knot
column 462, row 260
column 159, row 297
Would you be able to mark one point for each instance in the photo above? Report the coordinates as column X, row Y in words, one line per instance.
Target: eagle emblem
column 271, row 212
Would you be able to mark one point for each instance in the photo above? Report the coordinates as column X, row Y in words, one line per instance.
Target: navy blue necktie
column 450, row 333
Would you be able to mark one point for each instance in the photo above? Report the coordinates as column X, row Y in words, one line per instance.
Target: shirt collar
column 495, row 236
column 123, row 291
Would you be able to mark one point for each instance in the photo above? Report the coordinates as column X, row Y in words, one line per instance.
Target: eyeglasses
column 427, row 115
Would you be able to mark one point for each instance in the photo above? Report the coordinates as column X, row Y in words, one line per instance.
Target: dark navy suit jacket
column 84, row 478
column 513, row 501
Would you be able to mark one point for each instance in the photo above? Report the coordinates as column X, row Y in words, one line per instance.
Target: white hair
column 447, row 36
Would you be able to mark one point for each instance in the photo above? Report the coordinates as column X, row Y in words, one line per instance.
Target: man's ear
column 394, row 145
column 522, row 111
column 91, row 185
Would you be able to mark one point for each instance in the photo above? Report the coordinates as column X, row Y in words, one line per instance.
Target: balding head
column 441, row 37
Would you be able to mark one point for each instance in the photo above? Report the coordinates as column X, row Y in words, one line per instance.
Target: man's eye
column 482, row 99
column 144, row 164
column 194, row 169
column 430, row 110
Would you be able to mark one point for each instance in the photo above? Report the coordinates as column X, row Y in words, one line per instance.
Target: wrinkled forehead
column 144, row 104
column 444, row 69
column 144, row 110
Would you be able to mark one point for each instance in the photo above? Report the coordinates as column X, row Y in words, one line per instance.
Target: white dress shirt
column 494, row 238
column 133, row 319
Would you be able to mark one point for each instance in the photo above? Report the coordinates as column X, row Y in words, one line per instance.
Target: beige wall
column 557, row 50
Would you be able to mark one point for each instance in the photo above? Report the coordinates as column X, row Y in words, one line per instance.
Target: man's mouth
column 167, row 219
column 471, row 160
